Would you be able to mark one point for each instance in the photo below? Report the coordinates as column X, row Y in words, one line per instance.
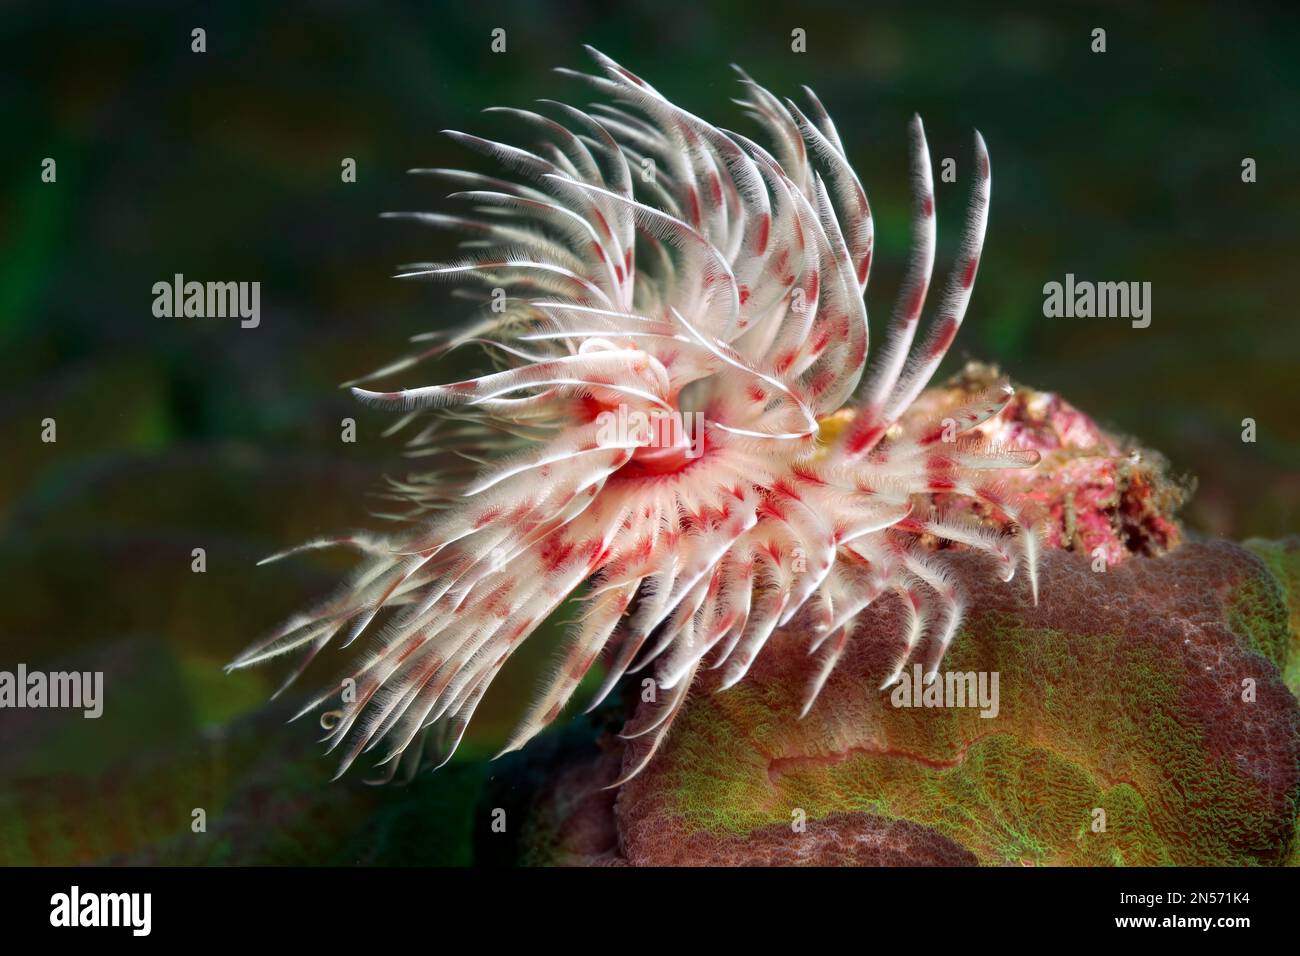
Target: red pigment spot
column 744, row 294
column 490, row 515
column 468, row 386
column 597, row 248
column 947, row 332
column 410, row 646
column 618, row 273
column 768, row 508
column 938, row 473
column 822, row 340
column 756, row 394
column 865, row 434
column 821, row 382
column 604, row 226
column 630, row 75
column 715, row 186
column 859, row 352
column 693, row 198
column 591, row 408
column 782, row 487
column 814, row 284
column 496, row 604
column 798, row 231
column 968, row 277
column 725, row 624
column 764, row 228
column 927, row 206
column 806, row 473
column 654, row 462
column 555, row 553
column 915, row 302
column 932, row 436
column 582, row 666
column 864, row 267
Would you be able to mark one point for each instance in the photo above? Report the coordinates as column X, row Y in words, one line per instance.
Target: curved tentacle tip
column 509, row 748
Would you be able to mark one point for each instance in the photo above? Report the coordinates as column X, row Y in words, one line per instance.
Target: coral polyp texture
column 685, row 445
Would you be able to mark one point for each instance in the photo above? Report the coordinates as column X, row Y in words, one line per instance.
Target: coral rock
column 1149, row 697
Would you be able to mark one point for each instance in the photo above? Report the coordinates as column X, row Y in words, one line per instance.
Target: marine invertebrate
column 721, row 285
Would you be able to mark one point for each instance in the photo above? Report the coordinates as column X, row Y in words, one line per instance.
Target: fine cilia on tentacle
column 642, row 265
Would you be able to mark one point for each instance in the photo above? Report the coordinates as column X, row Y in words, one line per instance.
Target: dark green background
column 183, row 433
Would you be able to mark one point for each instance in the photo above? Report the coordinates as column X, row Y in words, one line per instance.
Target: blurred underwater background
column 175, row 434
